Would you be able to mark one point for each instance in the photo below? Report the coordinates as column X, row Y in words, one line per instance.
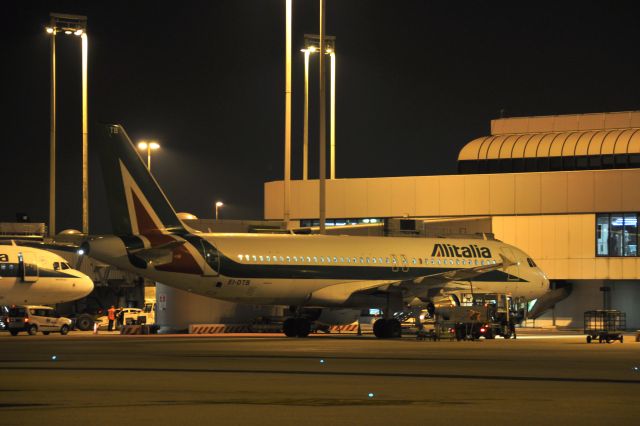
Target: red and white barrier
column 349, row 328
column 218, row 328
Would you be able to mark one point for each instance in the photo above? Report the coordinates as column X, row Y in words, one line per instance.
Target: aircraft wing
column 158, row 255
column 456, row 280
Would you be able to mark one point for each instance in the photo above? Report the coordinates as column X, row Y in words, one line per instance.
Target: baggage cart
column 604, row 325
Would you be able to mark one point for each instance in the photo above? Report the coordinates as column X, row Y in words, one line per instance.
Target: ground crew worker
column 111, row 314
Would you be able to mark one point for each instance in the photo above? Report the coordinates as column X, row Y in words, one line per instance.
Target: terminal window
column 617, row 234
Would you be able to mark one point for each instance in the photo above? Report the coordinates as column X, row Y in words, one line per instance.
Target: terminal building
column 565, row 189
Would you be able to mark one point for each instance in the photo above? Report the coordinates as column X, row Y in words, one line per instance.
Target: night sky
column 416, row 80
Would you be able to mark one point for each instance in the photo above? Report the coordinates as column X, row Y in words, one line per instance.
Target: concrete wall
column 564, row 246
column 569, row 192
column 176, row 309
column 586, row 296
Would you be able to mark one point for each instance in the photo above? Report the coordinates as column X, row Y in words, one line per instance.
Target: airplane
column 327, row 279
column 32, row 276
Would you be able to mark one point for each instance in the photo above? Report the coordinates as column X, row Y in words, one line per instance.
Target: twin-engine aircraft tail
column 137, row 205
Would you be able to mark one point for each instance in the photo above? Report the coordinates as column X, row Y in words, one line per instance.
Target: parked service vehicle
column 130, row 316
column 33, row 319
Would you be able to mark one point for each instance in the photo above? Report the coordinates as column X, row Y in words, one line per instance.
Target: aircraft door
column 395, row 265
column 28, row 267
column 405, row 263
column 211, row 258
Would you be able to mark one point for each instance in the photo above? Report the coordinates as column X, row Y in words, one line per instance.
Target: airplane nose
column 85, row 286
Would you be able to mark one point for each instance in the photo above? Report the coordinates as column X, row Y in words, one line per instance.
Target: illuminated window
column 451, row 261
column 348, row 260
column 373, row 259
column 288, row 258
column 361, row 260
column 380, row 259
column 438, row 261
column 386, row 260
column 239, row 257
column 617, row 234
column 341, row 259
column 414, row 261
column 328, row 259
column 254, row 258
column 368, row 260
column 315, row 259
column 246, row 257
column 432, row 262
column 295, row 258
column 268, row 258
column 281, row 259
column 335, row 259
column 261, row 259
column 394, row 261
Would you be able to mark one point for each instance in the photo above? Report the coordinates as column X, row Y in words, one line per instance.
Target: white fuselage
column 33, row 276
column 292, row 269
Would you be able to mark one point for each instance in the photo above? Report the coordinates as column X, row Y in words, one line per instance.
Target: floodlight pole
column 52, row 142
column 323, row 142
column 305, row 137
column 287, row 116
column 333, row 114
column 85, row 136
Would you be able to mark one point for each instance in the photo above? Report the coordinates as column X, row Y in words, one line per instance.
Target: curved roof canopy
column 558, row 144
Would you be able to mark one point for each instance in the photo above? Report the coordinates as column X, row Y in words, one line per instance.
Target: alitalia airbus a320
column 328, row 279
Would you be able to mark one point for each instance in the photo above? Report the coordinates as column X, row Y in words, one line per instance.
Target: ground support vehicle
column 604, row 325
column 474, row 322
column 33, row 319
column 439, row 331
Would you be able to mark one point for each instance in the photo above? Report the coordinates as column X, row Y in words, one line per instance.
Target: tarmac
column 540, row 378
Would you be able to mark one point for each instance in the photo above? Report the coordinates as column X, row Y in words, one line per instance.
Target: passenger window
column 268, row 258
column 254, row 258
column 295, row 258
column 288, row 258
column 373, row 259
column 368, row 260
column 282, row 258
column 414, row 261
column 335, row 259
column 240, row 257
column 361, row 260
column 315, row 259
column 261, row 259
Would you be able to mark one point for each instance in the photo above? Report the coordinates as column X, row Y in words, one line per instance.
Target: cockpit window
column 56, row 266
column 531, row 262
column 65, row 265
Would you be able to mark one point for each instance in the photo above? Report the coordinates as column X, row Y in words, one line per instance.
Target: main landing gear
column 296, row 327
column 387, row 328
